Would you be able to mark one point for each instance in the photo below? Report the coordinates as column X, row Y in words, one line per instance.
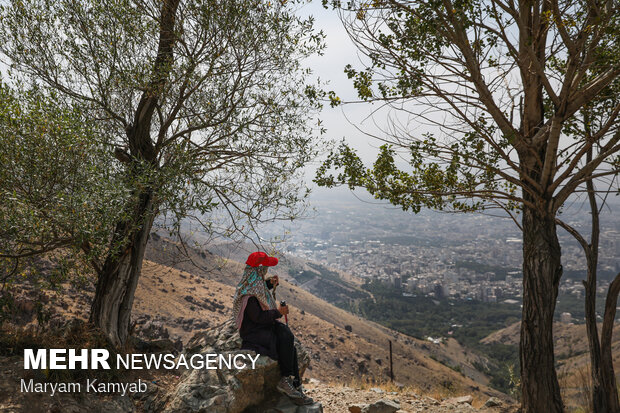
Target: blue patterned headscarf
column 252, row 284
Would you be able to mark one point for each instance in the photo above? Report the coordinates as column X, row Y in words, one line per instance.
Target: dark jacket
column 257, row 329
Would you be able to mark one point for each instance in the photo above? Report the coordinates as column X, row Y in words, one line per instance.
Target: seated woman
column 257, row 316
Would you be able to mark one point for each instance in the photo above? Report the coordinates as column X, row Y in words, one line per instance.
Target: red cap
column 259, row 258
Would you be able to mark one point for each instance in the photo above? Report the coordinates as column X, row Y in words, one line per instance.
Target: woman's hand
column 274, row 280
column 283, row 309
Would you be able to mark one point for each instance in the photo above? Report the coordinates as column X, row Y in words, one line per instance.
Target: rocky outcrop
column 230, row 390
column 459, row 400
column 493, row 402
column 381, row 406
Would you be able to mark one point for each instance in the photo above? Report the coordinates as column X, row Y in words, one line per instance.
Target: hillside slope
column 338, row 354
column 183, row 303
column 359, row 354
column 572, row 357
column 347, row 351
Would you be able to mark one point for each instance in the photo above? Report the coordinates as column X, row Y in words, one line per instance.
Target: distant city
column 459, row 256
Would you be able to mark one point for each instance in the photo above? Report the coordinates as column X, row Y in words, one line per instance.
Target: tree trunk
column 602, row 393
column 599, row 397
column 118, row 279
column 117, row 282
column 608, row 377
column 540, row 390
column 541, row 276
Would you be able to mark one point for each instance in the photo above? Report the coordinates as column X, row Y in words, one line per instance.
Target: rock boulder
column 493, row 402
column 228, row 391
column 381, row 406
column 459, row 400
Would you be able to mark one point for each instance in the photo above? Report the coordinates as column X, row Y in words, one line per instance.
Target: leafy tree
column 59, row 191
column 204, row 101
column 498, row 83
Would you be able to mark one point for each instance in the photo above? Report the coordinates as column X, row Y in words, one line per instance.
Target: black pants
column 287, row 353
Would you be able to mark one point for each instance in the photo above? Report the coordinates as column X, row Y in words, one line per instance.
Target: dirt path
column 337, row 399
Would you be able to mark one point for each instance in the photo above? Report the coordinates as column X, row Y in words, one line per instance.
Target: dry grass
column 584, row 382
column 367, row 382
column 576, row 388
column 76, row 334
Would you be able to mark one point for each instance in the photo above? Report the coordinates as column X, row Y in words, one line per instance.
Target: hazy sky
column 346, row 120
column 340, row 51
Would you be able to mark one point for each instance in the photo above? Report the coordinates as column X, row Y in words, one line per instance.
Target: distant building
column 484, row 293
column 397, row 280
column 411, row 284
column 331, row 256
column 438, row 291
column 566, row 318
